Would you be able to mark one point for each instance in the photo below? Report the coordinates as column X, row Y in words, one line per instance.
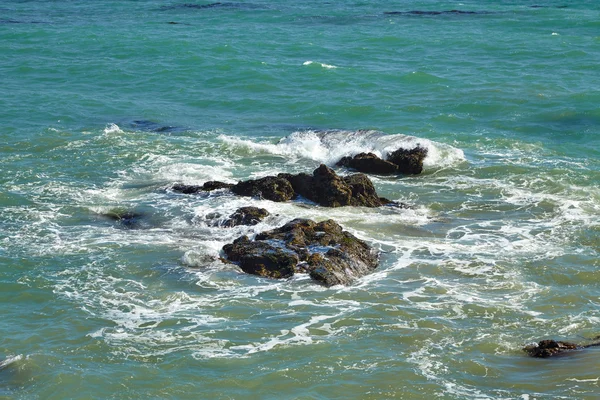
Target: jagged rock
column 270, row 187
column 324, row 187
column 329, row 254
column 261, row 258
column 408, row 161
column 363, row 191
column 328, row 189
column 216, row 185
column 246, row 216
column 368, row 163
column 206, row 187
column 547, row 348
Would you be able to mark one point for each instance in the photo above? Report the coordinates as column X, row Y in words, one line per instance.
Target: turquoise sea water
column 105, row 104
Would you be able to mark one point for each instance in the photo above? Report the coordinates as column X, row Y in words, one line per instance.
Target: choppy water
column 105, row 104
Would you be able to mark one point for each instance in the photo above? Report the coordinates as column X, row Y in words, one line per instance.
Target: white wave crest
column 326, row 66
column 329, row 147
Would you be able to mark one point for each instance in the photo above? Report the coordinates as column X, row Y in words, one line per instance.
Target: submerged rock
column 324, row 250
column 246, row 216
column 430, row 13
column 547, row 348
column 206, row 187
column 125, row 218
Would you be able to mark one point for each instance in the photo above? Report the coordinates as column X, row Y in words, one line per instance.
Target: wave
column 330, row 146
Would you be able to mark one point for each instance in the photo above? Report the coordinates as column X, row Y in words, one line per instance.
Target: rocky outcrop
column 272, row 188
column 246, row 216
column 206, row 187
column 408, row 161
column 328, row 189
column 368, row 163
column 324, row 187
column 548, row 348
column 324, row 250
column 401, row 161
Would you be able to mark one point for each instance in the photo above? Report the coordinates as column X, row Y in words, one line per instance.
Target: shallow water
column 106, row 104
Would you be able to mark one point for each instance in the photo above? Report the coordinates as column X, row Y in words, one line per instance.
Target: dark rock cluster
column 548, row 347
column 324, row 250
column 324, row 187
column 401, row 161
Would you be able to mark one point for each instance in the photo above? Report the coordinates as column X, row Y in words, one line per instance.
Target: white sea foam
column 326, row 66
column 10, row 360
column 112, row 129
column 330, row 146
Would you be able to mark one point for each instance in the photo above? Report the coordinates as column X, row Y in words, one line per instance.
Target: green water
column 105, row 104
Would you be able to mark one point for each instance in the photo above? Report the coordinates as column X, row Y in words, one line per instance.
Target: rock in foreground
column 324, row 250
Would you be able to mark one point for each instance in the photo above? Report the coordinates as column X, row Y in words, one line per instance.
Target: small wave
column 112, row 128
column 326, row 66
column 330, row 146
column 10, row 360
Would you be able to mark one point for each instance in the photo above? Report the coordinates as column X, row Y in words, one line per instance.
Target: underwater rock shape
column 206, row 187
column 430, row 13
column 246, row 216
column 330, row 255
column 127, row 219
column 548, row 347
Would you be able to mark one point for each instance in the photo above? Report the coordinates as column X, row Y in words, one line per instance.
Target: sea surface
column 105, row 104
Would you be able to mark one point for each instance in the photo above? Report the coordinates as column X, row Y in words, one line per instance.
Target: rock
column 216, row 185
column 548, row 348
column 261, row 258
column 408, row 161
column 186, row 189
column 363, row 191
column 368, row 163
column 246, row 216
column 324, row 187
column 328, row 189
column 329, row 254
column 270, row 187
column 125, row 218
column 207, row 187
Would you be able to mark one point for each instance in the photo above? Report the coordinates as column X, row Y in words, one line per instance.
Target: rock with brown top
column 368, row 163
column 246, row 216
column 409, row 161
column 329, row 254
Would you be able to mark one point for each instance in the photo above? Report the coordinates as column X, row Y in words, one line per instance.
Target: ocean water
column 105, row 104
